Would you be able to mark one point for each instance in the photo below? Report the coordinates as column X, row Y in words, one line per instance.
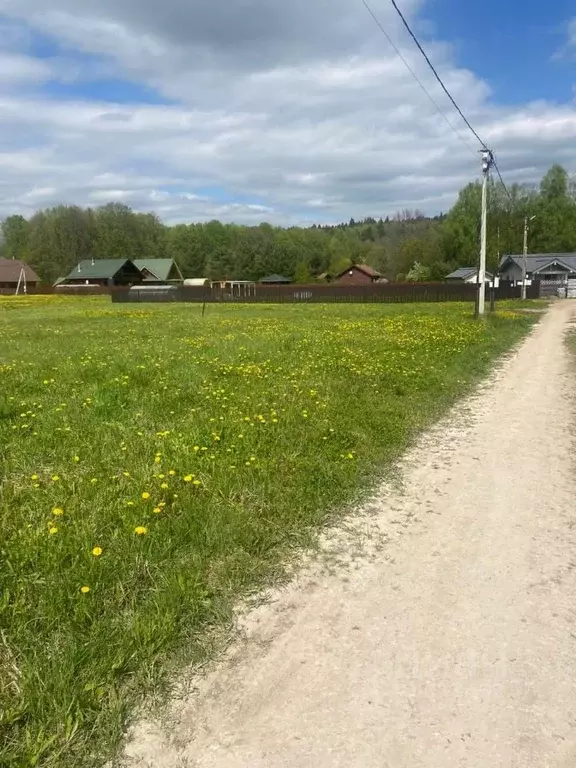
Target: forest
column 407, row 246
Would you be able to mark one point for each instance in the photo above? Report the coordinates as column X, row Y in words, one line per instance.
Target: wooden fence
column 322, row 294
column 294, row 294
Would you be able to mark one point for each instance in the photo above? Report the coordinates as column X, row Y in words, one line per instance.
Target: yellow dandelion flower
column 55, row 478
column 57, row 511
column 145, row 496
column 157, row 510
column 164, row 486
column 97, row 551
column 84, row 590
column 34, row 477
column 140, row 530
column 157, row 459
column 129, row 503
column 188, row 478
column 172, row 472
column 196, row 482
column 53, row 530
column 76, row 459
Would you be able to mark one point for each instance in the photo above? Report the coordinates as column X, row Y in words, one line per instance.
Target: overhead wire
column 437, row 76
column 495, row 164
column 447, row 92
column 415, row 76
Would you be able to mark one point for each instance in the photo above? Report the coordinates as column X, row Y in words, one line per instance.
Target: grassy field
column 156, row 465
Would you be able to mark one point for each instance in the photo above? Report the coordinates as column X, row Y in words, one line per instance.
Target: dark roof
column 368, row 270
column 99, row 269
column 160, row 268
column 10, row 270
column 276, row 279
column 463, row 273
column 537, row 261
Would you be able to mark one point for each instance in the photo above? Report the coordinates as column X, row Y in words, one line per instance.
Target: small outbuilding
column 14, row 272
column 275, row 280
column 467, row 275
column 196, row 282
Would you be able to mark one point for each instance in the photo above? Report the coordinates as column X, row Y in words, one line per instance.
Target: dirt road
column 454, row 644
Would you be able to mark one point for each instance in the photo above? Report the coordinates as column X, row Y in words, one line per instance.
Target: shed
column 159, row 271
column 196, row 282
column 358, row 274
column 275, row 280
column 11, row 270
column 467, row 275
column 106, row 272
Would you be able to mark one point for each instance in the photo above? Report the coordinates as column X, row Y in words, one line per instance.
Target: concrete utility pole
column 525, row 255
column 486, row 165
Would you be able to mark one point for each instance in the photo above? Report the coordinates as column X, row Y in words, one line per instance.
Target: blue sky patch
column 113, row 90
column 511, row 45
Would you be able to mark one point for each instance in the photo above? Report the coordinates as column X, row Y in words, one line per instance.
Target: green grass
column 248, row 428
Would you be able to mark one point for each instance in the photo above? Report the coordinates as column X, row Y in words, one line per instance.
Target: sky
column 292, row 113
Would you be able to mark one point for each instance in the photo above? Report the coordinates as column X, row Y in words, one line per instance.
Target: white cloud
column 302, row 112
column 16, row 69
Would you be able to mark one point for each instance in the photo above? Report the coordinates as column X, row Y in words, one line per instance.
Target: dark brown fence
column 294, row 294
column 322, row 294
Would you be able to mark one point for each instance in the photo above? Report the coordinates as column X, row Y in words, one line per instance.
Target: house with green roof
column 106, row 272
column 159, row 271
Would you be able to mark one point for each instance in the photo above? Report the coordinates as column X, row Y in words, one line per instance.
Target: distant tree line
column 407, row 246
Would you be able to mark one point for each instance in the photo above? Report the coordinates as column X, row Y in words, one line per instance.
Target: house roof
column 275, row 279
column 160, row 268
column 10, row 270
column 366, row 268
column 99, row 269
column 463, row 273
column 536, row 262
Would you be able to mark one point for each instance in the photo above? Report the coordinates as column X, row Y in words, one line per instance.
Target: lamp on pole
column 527, row 221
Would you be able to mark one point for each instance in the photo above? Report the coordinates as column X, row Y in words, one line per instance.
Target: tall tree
column 15, row 234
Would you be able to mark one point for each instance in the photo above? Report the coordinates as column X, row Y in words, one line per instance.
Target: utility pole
column 487, row 161
column 525, row 255
column 525, row 259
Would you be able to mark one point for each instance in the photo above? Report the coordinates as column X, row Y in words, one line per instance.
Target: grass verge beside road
column 157, row 465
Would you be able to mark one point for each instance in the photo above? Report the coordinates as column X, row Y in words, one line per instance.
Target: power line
column 415, row 76
column 502, row 180
column 446, row 91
